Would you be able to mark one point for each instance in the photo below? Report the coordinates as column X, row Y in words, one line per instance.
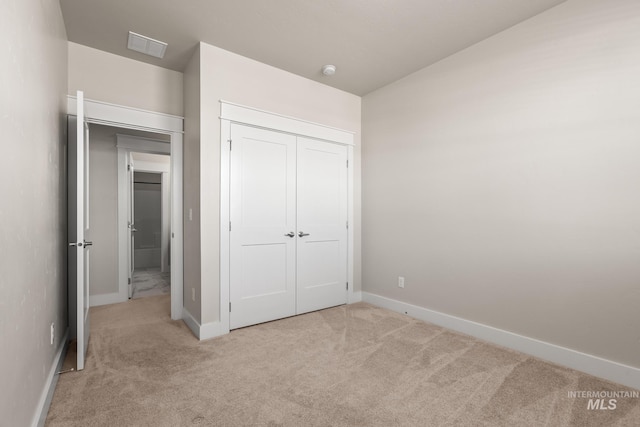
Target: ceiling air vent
column 146, row 45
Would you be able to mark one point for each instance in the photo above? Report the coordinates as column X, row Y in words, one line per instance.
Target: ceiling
column 371, row 42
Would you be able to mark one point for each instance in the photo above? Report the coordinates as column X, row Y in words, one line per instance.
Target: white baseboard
column 50, row 385
column 191, row 322
column 593, row 365
column 355, row 297
column 212, row 330
column 105, row 299
column 202, row 332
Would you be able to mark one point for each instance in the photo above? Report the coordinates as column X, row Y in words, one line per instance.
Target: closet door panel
column 322, row 225
column 263, row 212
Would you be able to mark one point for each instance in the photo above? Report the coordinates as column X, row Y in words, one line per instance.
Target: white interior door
column 78, row 229
column 262, row 226
column 131, row 222
column 322, row 214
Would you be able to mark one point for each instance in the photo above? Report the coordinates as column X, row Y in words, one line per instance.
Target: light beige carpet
column 353, row 365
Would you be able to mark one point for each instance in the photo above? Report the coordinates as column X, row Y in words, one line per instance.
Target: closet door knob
column 302, row 234
column 290, row 234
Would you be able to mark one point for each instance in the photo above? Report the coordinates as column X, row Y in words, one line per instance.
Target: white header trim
column 264, row 119
column 146, row 145
column 116, row 115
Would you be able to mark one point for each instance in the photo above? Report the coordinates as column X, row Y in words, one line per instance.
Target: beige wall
column 503, row 181
column 33, row 289
column 230, row 77
column 118, row 80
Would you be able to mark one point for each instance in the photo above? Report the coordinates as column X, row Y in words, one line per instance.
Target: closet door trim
column 278, row 122
column 234, row 113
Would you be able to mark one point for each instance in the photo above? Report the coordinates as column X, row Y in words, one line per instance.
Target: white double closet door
column 288, row 233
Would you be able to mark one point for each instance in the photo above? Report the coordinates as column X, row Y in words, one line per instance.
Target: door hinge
column 229, row 225
column 129, row 281
column 347, row 225
column 128, row 167
column 347, row 163
column 347, row 285
column 230, row 144
column 229, row 307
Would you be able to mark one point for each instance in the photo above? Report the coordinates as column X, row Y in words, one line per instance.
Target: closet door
column 263, row 222
column 322, row 225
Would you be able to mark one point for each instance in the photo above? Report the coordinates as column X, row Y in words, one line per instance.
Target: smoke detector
column 329, row 70
column 146, row 45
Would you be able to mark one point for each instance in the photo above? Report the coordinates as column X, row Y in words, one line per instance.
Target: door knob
column 290, row 234
column 302, row 234
column 88, row 244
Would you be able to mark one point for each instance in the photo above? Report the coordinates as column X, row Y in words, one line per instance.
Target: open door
column 130, row 221
column 78, row 230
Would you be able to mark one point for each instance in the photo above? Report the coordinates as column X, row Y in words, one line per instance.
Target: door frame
column 103, row 113
column 235, row 113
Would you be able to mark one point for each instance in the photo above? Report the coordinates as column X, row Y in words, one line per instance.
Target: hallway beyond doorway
column 150, row 282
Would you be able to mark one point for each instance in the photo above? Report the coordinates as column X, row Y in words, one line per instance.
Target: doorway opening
column 146, row 174
column 150, row 232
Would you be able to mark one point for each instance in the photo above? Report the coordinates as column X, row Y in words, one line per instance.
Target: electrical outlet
column 193, row 294
column 53, row 332
column 401, row 282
